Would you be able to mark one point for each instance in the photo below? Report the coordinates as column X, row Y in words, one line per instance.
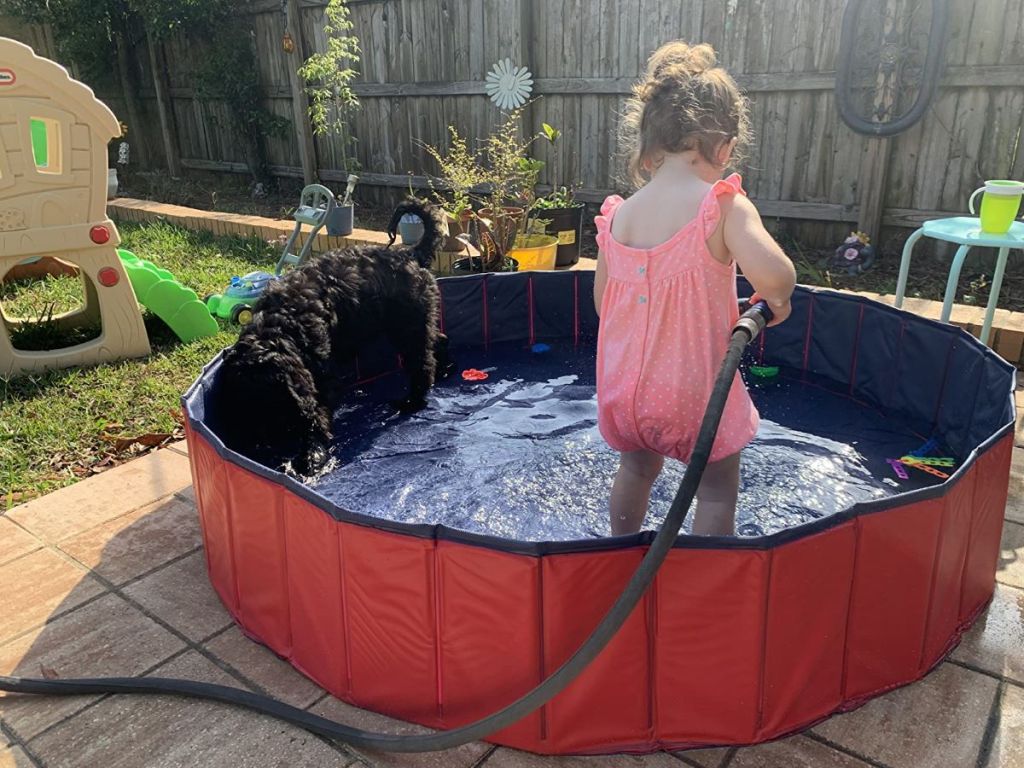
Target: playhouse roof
column 26, row 68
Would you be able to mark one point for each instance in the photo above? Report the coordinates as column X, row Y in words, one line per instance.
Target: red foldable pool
column 457, row 557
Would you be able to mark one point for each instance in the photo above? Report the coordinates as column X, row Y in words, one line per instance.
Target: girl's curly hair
column 684, row 102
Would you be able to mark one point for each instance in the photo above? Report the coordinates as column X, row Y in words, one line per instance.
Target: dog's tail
column 425, row 249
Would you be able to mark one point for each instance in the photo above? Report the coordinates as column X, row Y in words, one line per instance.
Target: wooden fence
column 424, row 64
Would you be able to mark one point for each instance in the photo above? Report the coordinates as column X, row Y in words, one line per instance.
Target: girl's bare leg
column 716, row 498
column 631, row 491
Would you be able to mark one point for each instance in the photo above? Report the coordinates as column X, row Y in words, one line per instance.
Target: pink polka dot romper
column 666, row 316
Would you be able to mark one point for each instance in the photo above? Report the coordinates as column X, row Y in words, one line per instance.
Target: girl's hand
column 780, row 310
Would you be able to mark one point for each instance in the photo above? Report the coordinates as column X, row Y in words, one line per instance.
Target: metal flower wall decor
column 509, row 86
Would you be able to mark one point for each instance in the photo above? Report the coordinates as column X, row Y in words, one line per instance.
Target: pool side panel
column 315, row 594
column 890, row 598
column 709, row 629
column 989, row 505
column 490, row 629
column 208, row 470
column 808, row 599
column 609, row 702
column 257, row 523
column 389, row 591
column 954, row 533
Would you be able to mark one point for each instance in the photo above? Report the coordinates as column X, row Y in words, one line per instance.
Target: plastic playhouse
column 53, row 190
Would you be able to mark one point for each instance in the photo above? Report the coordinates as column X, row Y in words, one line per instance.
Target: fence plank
column 424, row 63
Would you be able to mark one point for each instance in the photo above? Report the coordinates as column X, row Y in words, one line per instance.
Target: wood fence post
column 135, row 133
column 164, row 108
column 874, row 170
column 300, row 104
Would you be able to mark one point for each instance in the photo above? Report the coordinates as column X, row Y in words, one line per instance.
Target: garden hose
column 747, row 328
column 929, row 79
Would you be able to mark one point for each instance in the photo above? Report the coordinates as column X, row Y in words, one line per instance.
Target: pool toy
column 764, row 371
column 927, row 469
column 932, row 461
column 53, row 192
column 540, row 348
column 898, row 468
column 158, row 291
column 472, row 374
column 236, row 303
column 931, row 444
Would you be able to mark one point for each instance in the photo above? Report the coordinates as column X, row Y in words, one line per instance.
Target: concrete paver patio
column 108, row 577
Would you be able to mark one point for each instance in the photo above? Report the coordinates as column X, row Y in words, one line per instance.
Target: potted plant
column 501, row 179
column 329, row 76
column 513, row 183
column 563, row 214
column 460, row 174
column 341, row 218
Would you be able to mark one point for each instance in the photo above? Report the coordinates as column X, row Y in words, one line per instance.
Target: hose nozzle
column 754, row 319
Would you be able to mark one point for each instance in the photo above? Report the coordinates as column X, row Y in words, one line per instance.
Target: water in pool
column 519, row 455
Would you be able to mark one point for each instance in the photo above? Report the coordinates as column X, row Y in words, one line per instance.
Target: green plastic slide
column 158, row 291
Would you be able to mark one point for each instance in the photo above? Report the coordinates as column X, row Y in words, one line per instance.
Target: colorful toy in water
column 928, row 470
column 472, row 374
column 540, row 348
column 764, row 371
column 930, row 445
column 931, row 461
column 898, row 468
column 921, row 461
column 855, row 255
column 316, row 203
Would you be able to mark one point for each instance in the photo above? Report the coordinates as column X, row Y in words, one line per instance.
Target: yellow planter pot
column 535, row 252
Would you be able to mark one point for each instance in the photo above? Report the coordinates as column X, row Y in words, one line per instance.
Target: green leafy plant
column 511, row 173
column 329, row 76
column 562, row 196
column 461, row 173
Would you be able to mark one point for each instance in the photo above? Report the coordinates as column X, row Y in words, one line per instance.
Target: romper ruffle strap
column 710, row 210
column 604, row 221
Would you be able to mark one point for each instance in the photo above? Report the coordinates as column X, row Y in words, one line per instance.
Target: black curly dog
column 278, row 385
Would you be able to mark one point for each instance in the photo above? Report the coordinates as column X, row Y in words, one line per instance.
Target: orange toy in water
column 472, row 374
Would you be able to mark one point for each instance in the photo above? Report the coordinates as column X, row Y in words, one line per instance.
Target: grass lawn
column 59, row 426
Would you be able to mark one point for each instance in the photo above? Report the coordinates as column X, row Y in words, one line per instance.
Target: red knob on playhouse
column 99, row 235
column 108, row 277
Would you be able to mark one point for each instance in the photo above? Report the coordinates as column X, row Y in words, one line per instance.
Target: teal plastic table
column 966, row 232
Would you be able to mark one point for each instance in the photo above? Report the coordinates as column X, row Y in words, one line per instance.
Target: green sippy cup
column 999, row 205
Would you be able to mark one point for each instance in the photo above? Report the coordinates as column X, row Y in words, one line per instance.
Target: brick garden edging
column 1007, row 327
column 129, row 209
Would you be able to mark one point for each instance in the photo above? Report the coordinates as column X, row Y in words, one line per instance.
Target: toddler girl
column 665, row 286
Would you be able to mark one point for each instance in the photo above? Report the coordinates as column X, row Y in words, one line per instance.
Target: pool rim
column 439, row 531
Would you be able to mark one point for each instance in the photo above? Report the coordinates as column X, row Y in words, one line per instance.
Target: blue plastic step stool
column 966, row 232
